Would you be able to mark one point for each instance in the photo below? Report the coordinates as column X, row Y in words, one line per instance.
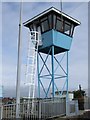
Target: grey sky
column 78, row 60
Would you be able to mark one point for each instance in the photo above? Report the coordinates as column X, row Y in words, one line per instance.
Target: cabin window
column 45, row 26
column 54, row 21
column 59, row 25
column 31, row 28
column 43, row 19
column 38, row 29
column 67, row 28
column 50, row 21
column 72, row 30
column 58, row 17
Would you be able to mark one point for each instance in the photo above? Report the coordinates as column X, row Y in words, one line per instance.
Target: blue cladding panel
column 47, row 39
column 61, row 40
column 57, row 39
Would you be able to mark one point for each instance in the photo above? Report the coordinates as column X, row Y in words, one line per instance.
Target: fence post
column 67, row 108
column 39, row 109
column 76, row 107
column 1, row 112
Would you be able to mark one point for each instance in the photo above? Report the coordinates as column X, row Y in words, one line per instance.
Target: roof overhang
column 53, row 10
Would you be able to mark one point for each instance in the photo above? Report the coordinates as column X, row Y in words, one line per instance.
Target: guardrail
column 41, row 109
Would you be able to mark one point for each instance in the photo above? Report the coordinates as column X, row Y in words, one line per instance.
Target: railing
column 41, row 109
column 53, row 108
column 73, row 108
column 1, row 112
column 9, row 111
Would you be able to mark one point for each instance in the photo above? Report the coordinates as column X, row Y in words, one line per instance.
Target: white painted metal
column 73, row 108
column 19, row 64
column 31, row 69
column 42, row 109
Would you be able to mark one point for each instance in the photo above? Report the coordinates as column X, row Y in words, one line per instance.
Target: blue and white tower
column 56, row 29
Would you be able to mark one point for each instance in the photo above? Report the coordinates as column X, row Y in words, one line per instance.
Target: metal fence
column 73, row 108
column 41, row 109
column 35, row 110
column 26, row 111
column 53, row 108
column 0, row 112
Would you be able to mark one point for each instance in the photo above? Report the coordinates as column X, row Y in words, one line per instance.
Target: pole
column 61, row 13
column 53, row 92
column 67, row 74
column 67, row 99
column 61, row 5
column 38, row 75
column 19, row 65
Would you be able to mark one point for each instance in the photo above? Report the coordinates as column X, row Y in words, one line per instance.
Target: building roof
column 52, row 9
column 64, row 92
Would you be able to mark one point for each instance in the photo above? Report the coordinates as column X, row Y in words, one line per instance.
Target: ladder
column 31, row 66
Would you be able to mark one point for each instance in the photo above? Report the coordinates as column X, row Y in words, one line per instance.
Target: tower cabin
column 56, row 29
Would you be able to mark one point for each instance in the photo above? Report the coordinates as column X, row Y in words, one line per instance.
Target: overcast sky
column 78, row 55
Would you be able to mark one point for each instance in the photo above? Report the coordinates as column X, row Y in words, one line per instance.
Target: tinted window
column 67, row 28
column 31, row 28
column 50, row 21
column 59, row 25
column 43, row 19
column 54, row 21
column 45, row 26
column 72, row 30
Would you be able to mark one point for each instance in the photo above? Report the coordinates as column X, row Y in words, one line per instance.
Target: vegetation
column 79, row 95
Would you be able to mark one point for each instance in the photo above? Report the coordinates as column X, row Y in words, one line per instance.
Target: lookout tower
column 56, row 30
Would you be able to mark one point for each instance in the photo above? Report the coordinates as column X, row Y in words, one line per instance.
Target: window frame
column 52, row 24
column 69, row 24
column 72, row 30
column 42, row 21
column 31, row 27
column 62, row 22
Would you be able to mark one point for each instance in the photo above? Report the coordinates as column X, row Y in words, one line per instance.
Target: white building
column 70, row 94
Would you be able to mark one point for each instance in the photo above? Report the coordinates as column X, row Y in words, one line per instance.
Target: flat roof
column 50, row 10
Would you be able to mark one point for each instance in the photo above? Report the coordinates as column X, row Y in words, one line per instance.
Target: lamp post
column 19, row 64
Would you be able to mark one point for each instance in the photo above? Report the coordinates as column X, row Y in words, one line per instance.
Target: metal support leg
column 38, row 75
column 67, row 99
column 40, row 71
column 67, row 75
column 53, row 92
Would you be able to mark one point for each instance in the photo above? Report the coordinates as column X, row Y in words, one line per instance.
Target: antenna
column 19, row 64
column 61, row 5
column 61, row 13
